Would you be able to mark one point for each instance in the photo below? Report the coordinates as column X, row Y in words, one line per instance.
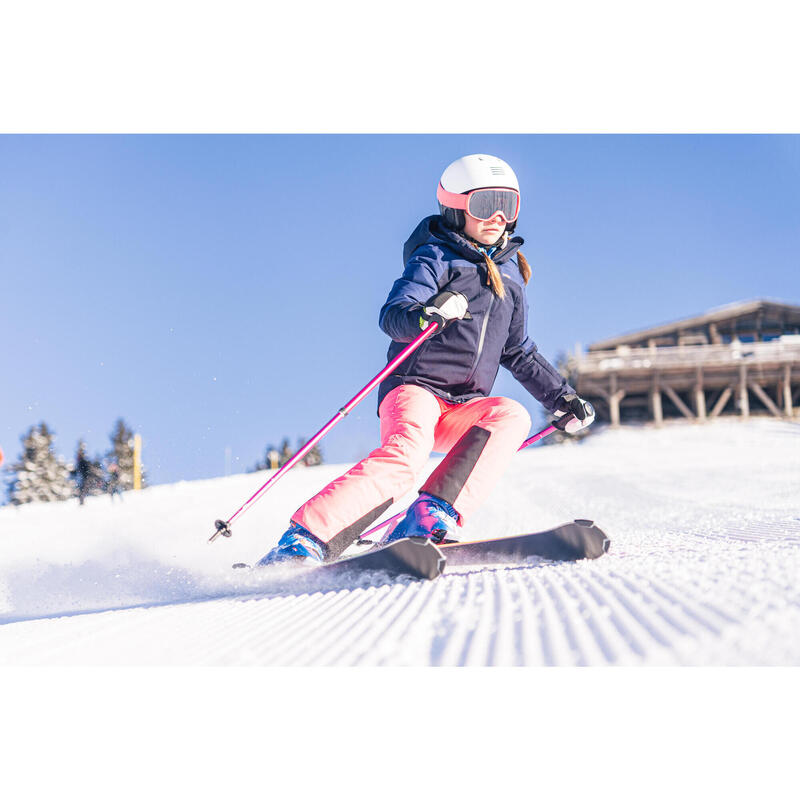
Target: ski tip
column 604, row 545
column 413, row 557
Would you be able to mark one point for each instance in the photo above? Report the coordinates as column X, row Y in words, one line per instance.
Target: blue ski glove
column 582, row 413
column 444, row 308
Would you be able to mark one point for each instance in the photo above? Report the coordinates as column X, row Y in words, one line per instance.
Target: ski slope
column 703, row 569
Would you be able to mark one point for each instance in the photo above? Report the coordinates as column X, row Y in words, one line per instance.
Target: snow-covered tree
column 88, row 474
column 274, row 458
column 313, row 458
column 286, row 452
column 121, row 454
column 39, row 475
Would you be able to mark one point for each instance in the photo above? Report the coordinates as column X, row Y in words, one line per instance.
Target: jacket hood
column 433, row 231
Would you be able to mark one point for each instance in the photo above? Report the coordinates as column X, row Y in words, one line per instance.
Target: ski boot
column 428, row 517
column 298, row 545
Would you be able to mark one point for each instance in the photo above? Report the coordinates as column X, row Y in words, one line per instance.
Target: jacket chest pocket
column 471, row 282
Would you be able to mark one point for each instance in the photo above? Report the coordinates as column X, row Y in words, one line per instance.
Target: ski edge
column 572, row 541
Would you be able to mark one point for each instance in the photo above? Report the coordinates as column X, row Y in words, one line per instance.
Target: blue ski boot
column 297, row 544
column 427, row 517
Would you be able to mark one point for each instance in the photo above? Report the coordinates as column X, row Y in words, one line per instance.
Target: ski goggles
column 483, row 204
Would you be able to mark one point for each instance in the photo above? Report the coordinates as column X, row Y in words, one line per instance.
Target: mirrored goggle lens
column 485, row 203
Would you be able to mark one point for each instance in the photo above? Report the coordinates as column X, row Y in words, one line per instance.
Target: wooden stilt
column 682, row 407
column 765, row 398
column 744, row 400
column 721, row 402
column 615, row 396
column 699, row 396
column 656, row 408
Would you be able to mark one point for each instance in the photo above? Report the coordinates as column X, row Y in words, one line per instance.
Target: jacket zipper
column 481, row 340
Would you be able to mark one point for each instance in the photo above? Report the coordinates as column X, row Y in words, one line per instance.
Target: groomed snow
column 703, row 569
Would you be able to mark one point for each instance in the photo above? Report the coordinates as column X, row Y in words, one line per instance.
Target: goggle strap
column 451, row 200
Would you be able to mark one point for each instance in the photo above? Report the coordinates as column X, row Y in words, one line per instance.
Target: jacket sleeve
column 399, row 317
column 522, row 358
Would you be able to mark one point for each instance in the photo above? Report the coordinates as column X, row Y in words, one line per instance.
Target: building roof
column 789, row 314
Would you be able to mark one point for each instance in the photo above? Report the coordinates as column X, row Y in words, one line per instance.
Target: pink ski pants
column 479, row 437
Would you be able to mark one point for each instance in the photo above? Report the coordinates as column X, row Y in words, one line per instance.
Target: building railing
column 785, row 350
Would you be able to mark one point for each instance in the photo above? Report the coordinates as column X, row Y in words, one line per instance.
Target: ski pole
column 223, row 526
column 559, row 424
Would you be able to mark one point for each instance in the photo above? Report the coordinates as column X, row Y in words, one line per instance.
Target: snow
column 704, row 521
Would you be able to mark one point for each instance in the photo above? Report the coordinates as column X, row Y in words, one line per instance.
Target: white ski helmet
column 478, row 171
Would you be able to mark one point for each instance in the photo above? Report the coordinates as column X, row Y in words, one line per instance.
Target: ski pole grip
column 562, row 422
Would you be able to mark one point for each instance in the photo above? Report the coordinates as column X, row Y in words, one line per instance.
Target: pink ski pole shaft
column 527, row 443
column 223, row 526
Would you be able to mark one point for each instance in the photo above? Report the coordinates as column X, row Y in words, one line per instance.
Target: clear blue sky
column 223, row 291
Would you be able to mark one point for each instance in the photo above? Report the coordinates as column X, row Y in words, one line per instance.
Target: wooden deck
column 695, row 381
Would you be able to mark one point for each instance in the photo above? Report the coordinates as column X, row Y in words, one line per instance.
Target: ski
column 569, row 542
column 416, row 558
column 421, row 558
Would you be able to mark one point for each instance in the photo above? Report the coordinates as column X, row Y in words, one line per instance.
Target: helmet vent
column 497, row 171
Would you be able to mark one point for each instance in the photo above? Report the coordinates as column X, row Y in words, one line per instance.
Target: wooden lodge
column 739, row 359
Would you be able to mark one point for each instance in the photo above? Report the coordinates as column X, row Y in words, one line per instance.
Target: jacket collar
column 432, row 230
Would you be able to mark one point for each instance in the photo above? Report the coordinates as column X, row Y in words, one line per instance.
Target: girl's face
column 485, row 231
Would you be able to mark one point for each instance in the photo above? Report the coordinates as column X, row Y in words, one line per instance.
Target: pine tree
column 313, row 458
column 286, row 452
column 121, row 454
column 39, row 475
column 274, row 458
column 87, row 473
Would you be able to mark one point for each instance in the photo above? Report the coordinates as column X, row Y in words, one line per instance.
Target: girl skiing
column 465, row 272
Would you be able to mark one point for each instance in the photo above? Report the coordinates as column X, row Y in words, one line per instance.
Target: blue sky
column 223, row 291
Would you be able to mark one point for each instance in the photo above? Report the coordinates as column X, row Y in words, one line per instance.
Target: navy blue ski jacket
column 461, row 362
